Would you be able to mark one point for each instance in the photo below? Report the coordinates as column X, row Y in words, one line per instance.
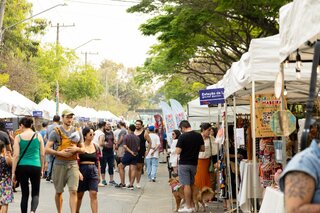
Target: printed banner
column 211, row 96
column 159, row 126
column 265, row 106
column 178, row 112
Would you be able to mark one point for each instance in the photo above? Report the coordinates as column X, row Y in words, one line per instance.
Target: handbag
column 24, row 152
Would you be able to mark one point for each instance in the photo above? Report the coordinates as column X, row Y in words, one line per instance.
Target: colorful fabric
column 6, row 191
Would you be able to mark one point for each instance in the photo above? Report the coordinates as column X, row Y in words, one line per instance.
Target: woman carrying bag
column 28, row 163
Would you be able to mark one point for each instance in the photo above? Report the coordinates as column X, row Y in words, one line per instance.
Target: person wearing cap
column 68, row 142
column 153, row 155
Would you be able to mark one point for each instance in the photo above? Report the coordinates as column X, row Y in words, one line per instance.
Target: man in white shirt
column 99, row 138
column 152, row 159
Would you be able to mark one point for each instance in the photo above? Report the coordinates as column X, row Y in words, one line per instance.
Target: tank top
column 142, row 142
column 32, row 155
column 91, row 157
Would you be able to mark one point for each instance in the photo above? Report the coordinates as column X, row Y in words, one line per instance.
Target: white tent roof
column 4, row 114
column 235, row 78
column 14, row 102
column 203, row 113
column 299, row 23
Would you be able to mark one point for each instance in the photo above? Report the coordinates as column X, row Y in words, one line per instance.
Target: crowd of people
column 80, row 157
column 74, row 157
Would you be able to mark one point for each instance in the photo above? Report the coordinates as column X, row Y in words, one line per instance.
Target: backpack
column 109, row 140
column 64, row 143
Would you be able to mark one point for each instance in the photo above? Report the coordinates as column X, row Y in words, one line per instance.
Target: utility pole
column 2, row 9
column 57, row 44
column 58, row 30
column 86, row 56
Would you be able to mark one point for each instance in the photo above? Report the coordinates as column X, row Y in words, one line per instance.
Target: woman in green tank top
column 28, row 163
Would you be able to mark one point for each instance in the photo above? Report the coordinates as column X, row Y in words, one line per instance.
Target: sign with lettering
column 211, row 96
column 37, row 114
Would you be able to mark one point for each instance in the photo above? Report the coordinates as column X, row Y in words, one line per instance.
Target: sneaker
column 138, row 186
column 101, row 185
column 153, row 180
column 48, row 178
column 120, row 185
column 104, row 182
column 185, row 209
column 130, row 187
column 112, row 182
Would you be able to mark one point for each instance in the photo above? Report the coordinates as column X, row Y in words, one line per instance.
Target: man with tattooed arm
column 300, row 181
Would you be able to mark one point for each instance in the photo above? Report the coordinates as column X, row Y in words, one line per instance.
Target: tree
column 20, row 40
column 177, row 87
column 82, row 83
column 201, row 39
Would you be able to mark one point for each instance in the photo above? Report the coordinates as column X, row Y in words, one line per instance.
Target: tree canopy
column 201, row 39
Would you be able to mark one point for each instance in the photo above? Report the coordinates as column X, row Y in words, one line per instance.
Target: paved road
column 151, row 198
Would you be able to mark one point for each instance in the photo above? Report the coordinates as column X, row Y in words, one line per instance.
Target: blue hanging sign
column 37, row 114
column 9, row 126
column 211, row 96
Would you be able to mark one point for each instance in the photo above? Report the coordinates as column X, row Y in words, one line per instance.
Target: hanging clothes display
column 267, row 165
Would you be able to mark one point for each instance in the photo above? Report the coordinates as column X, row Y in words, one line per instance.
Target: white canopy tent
column 299, row 27
column 4, row 114
column 16, row 103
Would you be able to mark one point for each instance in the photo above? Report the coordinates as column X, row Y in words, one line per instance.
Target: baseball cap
column 67, row 112
column 151, row 128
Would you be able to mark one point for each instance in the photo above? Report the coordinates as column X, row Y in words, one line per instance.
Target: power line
column 101, row 3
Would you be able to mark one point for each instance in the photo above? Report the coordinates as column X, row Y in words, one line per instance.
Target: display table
column 246, row 193
column 273, row 201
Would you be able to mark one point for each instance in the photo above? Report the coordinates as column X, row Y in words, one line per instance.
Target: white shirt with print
column 155, row 140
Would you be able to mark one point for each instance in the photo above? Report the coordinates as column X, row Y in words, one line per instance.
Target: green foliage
column 53, row 64
column 198, row 38
column 180, row 89
column 81, row 83
column 19, row 39
column 4, row 79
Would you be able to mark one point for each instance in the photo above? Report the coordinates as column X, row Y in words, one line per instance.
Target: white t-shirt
column 97, row 135
column 116, row 134
column 173, row 155
column 155, row 141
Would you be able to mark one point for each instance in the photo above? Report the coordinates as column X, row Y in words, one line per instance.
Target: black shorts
column 129, row 159
column 90, row 178
column 141, row 157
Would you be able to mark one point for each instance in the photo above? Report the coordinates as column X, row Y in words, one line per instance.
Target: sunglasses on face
column 91, row 134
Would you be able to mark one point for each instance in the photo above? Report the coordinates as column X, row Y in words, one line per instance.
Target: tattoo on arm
column 298, row 186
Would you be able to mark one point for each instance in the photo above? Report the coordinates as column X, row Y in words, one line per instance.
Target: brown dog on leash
column 198, row 196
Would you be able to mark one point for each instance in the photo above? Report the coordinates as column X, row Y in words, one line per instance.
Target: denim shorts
column 129, row 159
column 186, row 174
column 90, row 178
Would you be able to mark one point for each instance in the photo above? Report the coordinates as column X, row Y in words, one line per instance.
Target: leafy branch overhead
column 201, row 39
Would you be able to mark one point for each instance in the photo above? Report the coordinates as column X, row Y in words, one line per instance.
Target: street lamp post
column 13, row 25
column 94, row 39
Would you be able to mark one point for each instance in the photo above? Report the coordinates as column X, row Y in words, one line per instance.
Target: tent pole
column 283, row 107
column 236, row 147
column 254, row 157
column 228, row 155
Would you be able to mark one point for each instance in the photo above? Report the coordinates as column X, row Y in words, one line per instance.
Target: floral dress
column 6, row 191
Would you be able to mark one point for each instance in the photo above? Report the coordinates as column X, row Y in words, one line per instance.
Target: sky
column 121, row 41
